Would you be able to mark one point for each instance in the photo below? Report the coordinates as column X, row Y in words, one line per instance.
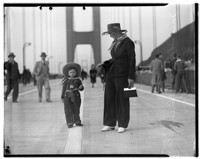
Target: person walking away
column 83, row 75
column 41, row 71
column 34, row 79
column 12, row 77
column 173, row 72
column 163, row 74
column 70, row 94
column 119, row 74
column 180, row 80
column 93, row 74
column 25, row 76
column 29, row 76
column 156, row 68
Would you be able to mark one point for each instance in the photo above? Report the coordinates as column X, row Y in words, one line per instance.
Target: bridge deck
column 159, row 124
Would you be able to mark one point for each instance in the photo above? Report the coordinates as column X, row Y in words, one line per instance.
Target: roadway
column 159, row 124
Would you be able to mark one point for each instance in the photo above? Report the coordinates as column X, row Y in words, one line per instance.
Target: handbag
column 130, row 92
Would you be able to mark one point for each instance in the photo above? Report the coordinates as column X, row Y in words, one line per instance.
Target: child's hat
column 71, row 65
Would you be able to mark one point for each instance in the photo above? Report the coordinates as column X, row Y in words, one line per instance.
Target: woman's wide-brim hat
column 43, row 54
column 69, row 66
column 113, row 27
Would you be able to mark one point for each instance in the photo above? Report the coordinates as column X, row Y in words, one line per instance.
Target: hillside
column 182, row 43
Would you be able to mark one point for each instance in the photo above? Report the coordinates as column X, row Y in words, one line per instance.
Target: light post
column 139, row 43
column 26, row 44
column 59, row 66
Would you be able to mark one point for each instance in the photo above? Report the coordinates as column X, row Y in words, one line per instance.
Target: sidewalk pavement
column 159, row 124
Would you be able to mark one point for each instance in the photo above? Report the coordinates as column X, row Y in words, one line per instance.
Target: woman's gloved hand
column 99, row 67
column 130, row 83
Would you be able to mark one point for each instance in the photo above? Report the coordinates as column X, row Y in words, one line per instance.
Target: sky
column 49, row 33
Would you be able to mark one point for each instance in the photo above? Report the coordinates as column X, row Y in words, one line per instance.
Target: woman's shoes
column 121, row 130
column 107, row 128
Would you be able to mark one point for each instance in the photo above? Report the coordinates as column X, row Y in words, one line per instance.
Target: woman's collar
column 122, row 37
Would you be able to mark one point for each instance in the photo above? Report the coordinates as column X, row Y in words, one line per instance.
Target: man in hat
column 12, row 77
column 119, row 74
column 180, row 79
column 41, row 71
column 173, row 72
column 156, row 68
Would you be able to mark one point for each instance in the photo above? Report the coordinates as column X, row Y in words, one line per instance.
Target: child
column 70, row 94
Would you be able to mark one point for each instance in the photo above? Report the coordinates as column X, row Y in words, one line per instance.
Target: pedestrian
column 163, row 73
column 83, row 75
column 41, row 71
column 119, row 74
column 25, row 75
column 34, row 80
column 70, row 94
column 93, row 74
column 12, row 77
column 156, row 68
column 173, row 72
column 180, row 80
column 29, row 76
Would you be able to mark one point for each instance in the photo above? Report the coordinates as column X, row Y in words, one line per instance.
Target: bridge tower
column 92, row 38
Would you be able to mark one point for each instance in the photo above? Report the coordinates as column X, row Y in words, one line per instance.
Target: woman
column 120, row 74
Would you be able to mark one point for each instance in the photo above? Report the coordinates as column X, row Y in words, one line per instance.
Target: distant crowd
column 178, row 75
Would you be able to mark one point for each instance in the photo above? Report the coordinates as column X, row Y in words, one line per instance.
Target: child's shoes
column 79, row 124
column 69, row 126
